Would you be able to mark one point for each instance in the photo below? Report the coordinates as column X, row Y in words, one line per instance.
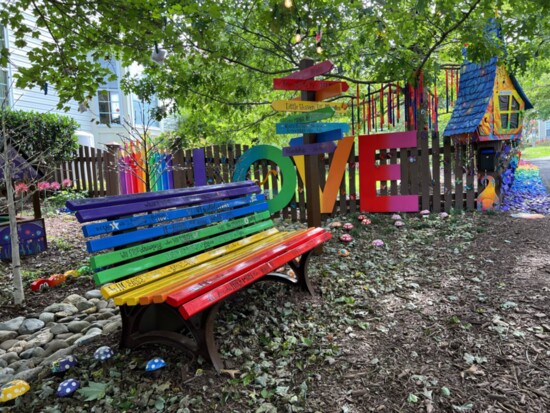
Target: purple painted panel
column 310, row 149
column 139, row 206
column 32, row 238
column 20, row 168
column 199, row 167
column 81, row 204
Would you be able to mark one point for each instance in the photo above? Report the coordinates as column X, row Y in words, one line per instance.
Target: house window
column 109, row 107
column 109, row 95
column 509, row 110
column 142, row 112
column 548, row 128
column 3, row 73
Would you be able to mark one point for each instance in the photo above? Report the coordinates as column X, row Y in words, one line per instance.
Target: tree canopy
column 222, row 55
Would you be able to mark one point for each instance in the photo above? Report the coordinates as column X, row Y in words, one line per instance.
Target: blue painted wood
column 124, row 224
column 309, row 149
column 284, row 128
column 116, row 211
column 333, row 135
column 163, row 230
column 81, row 204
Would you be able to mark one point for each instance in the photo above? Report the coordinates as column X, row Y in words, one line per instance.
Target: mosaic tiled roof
column 474, row 93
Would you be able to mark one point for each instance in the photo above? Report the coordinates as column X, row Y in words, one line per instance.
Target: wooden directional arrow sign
column 284, row 128
column 312, row 71
column 314, row 116
column 333, row 135
column 312, row 85
column 310, row 149
column 328, row 92
column 304, row 106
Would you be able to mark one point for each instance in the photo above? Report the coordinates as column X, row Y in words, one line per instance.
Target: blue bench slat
column 116, row 211
column 162, row 230
column 81, row 204
column 123, row 224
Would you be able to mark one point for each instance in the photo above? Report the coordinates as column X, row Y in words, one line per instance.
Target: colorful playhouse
column 488, row 113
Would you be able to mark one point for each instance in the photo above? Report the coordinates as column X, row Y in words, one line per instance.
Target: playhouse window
column 509, row 111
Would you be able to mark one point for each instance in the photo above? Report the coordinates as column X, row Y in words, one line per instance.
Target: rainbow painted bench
column 169, row 258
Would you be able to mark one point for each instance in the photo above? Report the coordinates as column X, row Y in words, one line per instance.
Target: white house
column 101, row 123
column 543, row 131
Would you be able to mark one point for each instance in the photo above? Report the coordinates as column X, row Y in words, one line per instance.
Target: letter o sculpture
column 286, row 167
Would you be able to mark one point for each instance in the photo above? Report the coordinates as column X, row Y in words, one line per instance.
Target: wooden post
column 36, row 203
column 111, row 166
column 313, row 200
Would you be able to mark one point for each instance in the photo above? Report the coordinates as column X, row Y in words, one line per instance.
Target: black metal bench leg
column 162, row 324
column 301, row 271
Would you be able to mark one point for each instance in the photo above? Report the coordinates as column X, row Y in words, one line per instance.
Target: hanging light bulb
column 288, row 4
column 298, row 36
column 319, row 48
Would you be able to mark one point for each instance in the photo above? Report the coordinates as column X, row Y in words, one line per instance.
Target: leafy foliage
column 223, row 55
column 45, row 138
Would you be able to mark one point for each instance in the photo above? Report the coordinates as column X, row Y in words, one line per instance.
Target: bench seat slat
column 110, row 290
column 88, row 203
column 186, row 293
column 218, row 271
column 124, row 224
column 144, row 295
column 195, row 306
column 256, row 223
column 120, row 240
column 140, row 207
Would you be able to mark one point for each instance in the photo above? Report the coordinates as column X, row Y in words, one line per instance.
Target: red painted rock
column 399, row 224
column 361, row 217
column 366, row 221
column 346, row 238
column 348, row 226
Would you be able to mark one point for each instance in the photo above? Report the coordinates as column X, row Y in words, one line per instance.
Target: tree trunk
column 18, row 293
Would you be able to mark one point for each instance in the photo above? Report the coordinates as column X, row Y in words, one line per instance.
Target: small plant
column 59, row 199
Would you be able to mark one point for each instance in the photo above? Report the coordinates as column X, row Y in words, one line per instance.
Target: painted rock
column 346, row 238
column 348, row 226
column 443, row 215
column 396, row 217
column 425, row 212
column 377, row 243
column 335, row 224
column 104, row 353
column 366, row 222
column 13, row 389
column 63, row 364
column 67, row 388
column 399, row 224
column 342, row 252
column 155, row 364
column 361, row 217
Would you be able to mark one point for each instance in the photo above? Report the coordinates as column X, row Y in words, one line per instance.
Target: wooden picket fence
column 440, row 172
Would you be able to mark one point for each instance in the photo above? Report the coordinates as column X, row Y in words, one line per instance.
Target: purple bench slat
column 81, row 204
column 112, row 211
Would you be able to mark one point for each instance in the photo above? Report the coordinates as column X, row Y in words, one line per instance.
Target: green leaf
column 413, row 398
column 94, row 391
column 463, row 408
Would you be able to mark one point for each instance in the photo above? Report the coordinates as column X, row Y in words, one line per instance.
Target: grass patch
column 533, row 152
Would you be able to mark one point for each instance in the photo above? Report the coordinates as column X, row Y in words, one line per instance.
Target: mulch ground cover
column 449, row 315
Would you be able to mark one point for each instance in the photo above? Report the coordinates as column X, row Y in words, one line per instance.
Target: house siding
column 34, row 99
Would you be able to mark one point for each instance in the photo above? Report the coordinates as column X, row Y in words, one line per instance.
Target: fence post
column 111, row 168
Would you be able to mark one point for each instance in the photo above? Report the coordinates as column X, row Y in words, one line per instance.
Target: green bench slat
column 255, row 223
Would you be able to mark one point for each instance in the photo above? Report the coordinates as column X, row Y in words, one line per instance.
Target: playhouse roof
column 474, row 93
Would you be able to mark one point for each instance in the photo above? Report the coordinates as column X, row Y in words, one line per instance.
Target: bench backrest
column 150, row 230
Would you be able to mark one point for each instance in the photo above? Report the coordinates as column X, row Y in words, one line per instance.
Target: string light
column 288, row 4
column 298, row 36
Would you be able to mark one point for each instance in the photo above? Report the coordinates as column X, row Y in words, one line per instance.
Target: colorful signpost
column 285, row 128
column 319, row 114
column 310, row 85
column 301, row 106
column 312, row 71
